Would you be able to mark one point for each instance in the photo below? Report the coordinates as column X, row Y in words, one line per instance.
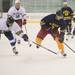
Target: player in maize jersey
column 73, row 33
column 50, row 25
column 7, row 26
column 18, row 13
column 68, row 16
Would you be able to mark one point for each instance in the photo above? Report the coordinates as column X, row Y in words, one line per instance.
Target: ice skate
column 19, row 41
column 14, row 51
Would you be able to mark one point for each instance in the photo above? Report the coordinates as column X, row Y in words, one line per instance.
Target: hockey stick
column 0, row 36
column 45, row 48
column 70, row 48
column 28, row 39
column 0, row 33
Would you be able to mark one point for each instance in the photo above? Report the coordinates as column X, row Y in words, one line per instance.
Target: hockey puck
column 72, row 37
column 66, row 39
column 30, row 45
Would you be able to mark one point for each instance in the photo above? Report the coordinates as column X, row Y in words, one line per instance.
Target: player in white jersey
column 18, row 13
column 7, row 26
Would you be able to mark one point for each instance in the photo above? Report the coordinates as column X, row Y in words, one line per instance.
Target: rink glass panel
column 45, row 6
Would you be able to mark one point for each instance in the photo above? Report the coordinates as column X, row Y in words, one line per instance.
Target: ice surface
column 32, row 61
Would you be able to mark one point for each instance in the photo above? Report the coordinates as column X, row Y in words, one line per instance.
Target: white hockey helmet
column 17, row 4
column 10, row 19
column 65, row 3
column 17, row 1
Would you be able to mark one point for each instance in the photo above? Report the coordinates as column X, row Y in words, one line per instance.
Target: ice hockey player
column 50, row 25
column 68, row 16
column 19, row 14
column 73, row 34
column 7, row 26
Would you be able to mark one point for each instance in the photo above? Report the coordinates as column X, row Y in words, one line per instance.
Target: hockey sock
column 60, row 45
column 38, row 40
